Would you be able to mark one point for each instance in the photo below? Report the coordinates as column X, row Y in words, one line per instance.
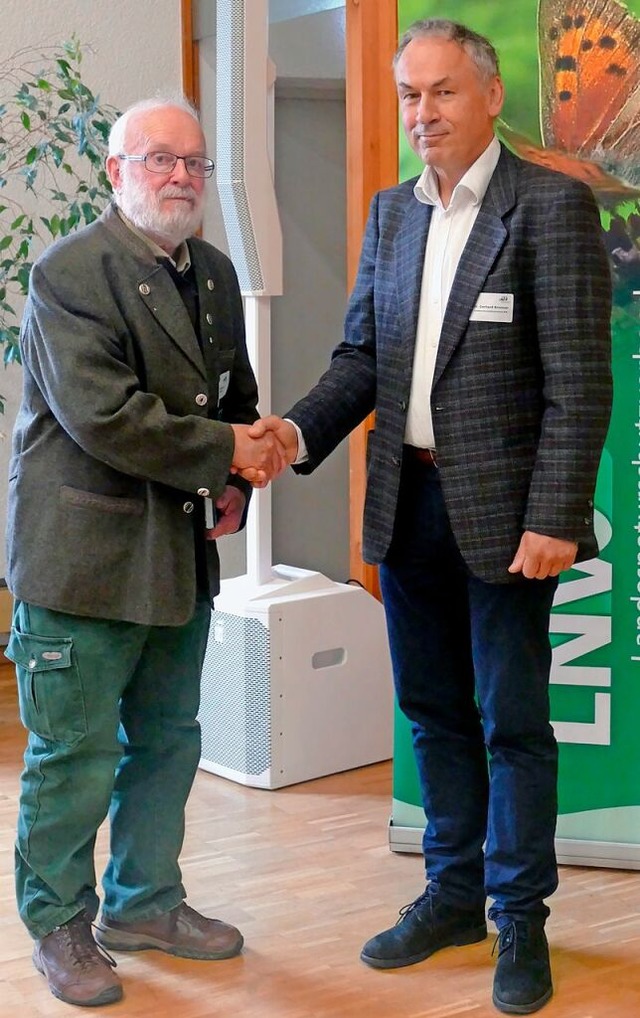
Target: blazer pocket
column 104, row 503
column 50, row 693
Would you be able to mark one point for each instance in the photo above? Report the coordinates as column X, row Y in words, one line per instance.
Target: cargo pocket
column 49, row 688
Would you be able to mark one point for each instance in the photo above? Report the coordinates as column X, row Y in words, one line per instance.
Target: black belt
column 422, row 455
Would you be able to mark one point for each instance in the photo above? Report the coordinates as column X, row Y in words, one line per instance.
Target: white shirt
column 448, row 234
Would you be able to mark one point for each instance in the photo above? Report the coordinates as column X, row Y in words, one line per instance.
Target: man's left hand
column 539, row 556
column 230, row 507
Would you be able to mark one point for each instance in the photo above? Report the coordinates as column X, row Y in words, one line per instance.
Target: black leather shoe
column 522, row 982
column 424, row 927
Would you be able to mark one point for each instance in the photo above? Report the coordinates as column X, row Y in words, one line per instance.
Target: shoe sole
column 120, row 941
column 473, row 936
column 523, row 1008
column 110, row 996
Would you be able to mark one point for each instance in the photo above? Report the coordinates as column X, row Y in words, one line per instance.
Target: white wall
column 131, row 50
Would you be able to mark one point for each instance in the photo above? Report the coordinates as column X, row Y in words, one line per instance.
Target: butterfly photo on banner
column 589, row 55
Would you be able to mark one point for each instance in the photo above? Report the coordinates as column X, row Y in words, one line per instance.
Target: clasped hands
column 263, row 449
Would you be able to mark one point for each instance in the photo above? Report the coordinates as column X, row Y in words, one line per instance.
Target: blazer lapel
column 155, row 287
column 159, row 293
column 411, row 243
column 485, row 242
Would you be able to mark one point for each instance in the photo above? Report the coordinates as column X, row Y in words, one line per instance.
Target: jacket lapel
column 411, row 243
column 159, row 293
column 485, row 242
column 156, row 289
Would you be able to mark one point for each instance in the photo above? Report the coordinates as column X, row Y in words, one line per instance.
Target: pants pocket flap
column 38, row 653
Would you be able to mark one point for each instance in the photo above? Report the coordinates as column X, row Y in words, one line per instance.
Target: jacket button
column 204, row 492
column 209, row 318
column 210, row 284
column 144, row 289
column 396, row 461
column 587, row 520
column 188, row 507
column 202, row 399
column 402, row 405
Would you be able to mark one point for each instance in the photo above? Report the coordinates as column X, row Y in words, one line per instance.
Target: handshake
column 263, row 449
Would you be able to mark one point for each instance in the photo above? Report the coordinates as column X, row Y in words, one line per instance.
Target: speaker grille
column 235, row 707
column 230, row 145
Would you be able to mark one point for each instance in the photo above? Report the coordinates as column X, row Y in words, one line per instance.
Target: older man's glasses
column 165, row 162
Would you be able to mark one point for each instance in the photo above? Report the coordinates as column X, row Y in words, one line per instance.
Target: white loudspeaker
column 297, row 680
column 244, row 174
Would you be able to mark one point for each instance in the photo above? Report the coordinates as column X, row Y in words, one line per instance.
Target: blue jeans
column 471, row 667
column 111, row 712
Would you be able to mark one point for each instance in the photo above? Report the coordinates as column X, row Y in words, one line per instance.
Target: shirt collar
column 475, row 181
column 180, row 259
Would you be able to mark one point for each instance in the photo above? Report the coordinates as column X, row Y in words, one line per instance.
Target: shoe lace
column 421, row 900
column 509, row 937
column 79, row 944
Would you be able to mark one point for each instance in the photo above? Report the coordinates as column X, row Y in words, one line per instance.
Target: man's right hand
column 284, row 431
column 257, row 457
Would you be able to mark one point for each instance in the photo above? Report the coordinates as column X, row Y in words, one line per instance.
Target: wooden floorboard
column 306, row 873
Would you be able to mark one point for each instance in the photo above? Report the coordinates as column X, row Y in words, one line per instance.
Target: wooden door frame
column 372, row 163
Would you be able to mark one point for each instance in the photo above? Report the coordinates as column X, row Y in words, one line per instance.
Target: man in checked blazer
column 138, row 396
column 479, row 331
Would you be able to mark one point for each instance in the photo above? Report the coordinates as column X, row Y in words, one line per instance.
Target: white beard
column 144, row 208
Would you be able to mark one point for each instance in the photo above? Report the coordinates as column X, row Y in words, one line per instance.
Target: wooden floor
column 306, row 873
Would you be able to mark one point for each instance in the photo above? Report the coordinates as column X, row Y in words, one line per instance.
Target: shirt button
column 402, row 405
column 209, row 318
column 202, row 399
column 144, row 289
column 188, row 507
column 204, row 492
column 32, row 663
column 210, row 284
column 211, row 339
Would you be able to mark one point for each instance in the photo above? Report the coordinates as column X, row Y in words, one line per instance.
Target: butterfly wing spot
column 565, row 96
column 579, row 20
column 606, row 42
column 566, row 64
column 586, row 45
column 567, row 22
column 616, row 70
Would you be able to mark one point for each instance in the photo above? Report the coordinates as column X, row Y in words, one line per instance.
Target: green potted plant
column 53, row 143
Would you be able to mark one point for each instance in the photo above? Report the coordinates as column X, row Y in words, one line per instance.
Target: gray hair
column 478, row 47
column 119, row 128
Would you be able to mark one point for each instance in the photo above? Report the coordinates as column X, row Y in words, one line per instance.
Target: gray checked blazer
column 121, row 426
column 520, row 409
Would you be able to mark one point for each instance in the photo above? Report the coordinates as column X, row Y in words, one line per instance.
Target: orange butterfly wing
column 590, row 78
column 607, row 185
column 589, row 53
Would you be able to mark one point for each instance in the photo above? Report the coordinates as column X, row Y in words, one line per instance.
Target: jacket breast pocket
column 50, row 692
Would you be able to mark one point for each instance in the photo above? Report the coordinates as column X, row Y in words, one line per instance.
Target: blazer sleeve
column 573, row 310
column 346, row 392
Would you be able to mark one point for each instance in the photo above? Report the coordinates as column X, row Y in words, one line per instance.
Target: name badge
column 493, row 307
column 223, row 384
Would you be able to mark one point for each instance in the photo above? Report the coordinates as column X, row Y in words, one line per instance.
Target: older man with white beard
column 138, row 396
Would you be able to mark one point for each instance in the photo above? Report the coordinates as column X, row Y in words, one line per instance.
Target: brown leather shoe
column 182, row 931
column 76, row 969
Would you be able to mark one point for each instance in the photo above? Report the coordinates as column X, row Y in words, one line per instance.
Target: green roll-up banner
column 595, row 625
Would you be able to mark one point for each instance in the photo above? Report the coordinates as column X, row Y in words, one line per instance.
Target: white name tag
column 493, row 307
column 223, row 384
